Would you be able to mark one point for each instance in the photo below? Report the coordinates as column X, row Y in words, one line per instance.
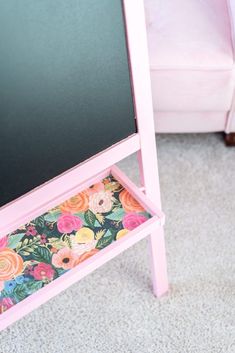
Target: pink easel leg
column 158, row 262
column 147, row 155
column 150, row 181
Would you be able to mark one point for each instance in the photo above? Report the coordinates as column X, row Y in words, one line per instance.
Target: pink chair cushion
column 191, row 54
column 184, row 122
column 192, row 90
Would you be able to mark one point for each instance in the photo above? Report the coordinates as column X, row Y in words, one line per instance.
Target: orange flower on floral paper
column 95, row 188
column 129, row 203
column 78, row 203
column 11, row 264
column 86, row 255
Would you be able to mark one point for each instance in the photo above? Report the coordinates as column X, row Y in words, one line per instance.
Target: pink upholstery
column 197, row 90
column 230, row 126
column 191, row 63
column 190, row 121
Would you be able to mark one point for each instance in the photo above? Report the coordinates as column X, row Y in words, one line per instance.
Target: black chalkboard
column 65, row 91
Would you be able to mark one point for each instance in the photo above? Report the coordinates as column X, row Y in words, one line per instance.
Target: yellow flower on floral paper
column 84, row 235
column 121, row 233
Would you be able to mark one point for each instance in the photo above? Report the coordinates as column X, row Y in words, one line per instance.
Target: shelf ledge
column 103, row 217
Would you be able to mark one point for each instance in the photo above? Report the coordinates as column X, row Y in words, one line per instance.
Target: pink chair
column 191, row 48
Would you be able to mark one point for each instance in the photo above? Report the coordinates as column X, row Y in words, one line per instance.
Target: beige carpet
column 113, row 310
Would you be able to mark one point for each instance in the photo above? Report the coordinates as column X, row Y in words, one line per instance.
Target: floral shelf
column 61, row 239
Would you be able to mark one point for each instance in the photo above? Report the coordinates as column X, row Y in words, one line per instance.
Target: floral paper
column 50, row 245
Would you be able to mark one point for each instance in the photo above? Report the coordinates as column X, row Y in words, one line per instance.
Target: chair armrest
column 231, row 11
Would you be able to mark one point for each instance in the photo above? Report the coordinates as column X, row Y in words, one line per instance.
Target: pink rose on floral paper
column 5, row 303
column 3, row 242
column 43, row 271
column 101, row 202
column 132, row 220
column 68, row 222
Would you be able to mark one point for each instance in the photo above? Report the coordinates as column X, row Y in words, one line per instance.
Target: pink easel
column 80, row 177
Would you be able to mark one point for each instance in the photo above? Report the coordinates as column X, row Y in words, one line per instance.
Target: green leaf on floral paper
column 54, row 239
column 25, row 242
column 100, row 218
column 29, row 249
column 39, row 221
column 59, row 271
column 4, row 293
column 117, row 215
column 100, row 234
column 97, row 224
column 145, row 214
column 108, row 233
column 14, row 239
column 68, row 241
column 24, row 253
column 104, row 241
column 20, row 292
column 33, row 286
column 80, row 215
column 42, row 254
column 57, row 243
column 90, row 218
column 52, row 217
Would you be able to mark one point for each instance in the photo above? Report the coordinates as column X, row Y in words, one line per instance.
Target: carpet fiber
column 113, row 309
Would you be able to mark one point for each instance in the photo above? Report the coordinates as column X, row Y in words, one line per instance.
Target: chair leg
column 158, row 262
column 229, row 139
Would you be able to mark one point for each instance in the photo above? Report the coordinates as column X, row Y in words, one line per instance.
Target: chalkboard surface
column 65, row 90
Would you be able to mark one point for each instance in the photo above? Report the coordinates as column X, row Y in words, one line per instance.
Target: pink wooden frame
column 74, row 275
column 147, row 155
column 62, row 187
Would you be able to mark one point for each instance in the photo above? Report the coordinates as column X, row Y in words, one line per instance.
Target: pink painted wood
column 147, row 155
column 77, row 273
column 62, row 187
